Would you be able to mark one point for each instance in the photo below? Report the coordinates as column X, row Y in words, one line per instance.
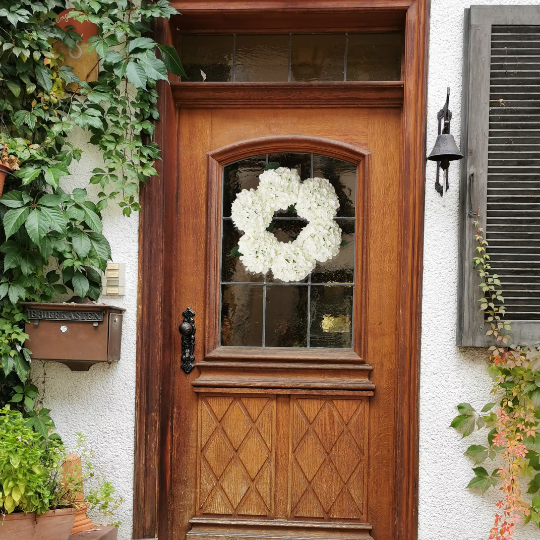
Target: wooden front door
column 287, row 424
column 298, row 420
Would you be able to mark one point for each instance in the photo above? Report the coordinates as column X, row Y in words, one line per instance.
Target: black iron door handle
column 187, row 329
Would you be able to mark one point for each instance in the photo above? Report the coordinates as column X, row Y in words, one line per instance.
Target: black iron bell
column 445, row 150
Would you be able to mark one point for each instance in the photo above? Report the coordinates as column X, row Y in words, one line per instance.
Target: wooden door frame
column 155, row 324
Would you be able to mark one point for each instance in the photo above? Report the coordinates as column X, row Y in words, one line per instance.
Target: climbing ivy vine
column 52, row 241
column 511, row 423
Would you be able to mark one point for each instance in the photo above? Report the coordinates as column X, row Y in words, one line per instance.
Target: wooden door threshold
column 206, row 528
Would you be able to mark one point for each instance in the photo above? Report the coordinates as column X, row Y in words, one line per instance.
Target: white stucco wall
column 100, row 403
column 449, row 375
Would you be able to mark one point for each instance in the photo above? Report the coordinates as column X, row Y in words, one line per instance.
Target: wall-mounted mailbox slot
column 77, row 335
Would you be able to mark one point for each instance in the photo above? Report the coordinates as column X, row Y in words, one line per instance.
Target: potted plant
column 8, row 163
column 38, row 499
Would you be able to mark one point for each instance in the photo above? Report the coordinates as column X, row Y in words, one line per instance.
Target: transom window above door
column 258, row 310
column 305, row 57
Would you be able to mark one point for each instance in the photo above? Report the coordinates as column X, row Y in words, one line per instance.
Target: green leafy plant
column 32, row 476
column 126, row 55
column 26, row 464
column 513, row 437
column 26, row 394
column 52, row 242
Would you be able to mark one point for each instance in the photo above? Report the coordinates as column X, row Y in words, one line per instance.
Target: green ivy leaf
column 28, row 174
column 12, row 199
column 464, row 424
column 170, row 58
column 92, row 219
column 136, row 75
column 81, row 243
column 67, row 75
column 154, row 68
column 16, row 292
column 465, row 408
column 3, row 289
column 101, row 245
column 534, row 459
column 14, row 219
column 56, row 218
column 482, row 481
column 113, row 57
column 43, row 76
column 534, row 484
column 93, row 275
column 80, row 284
column 28, row 263
column 488, row 407
column 40, row 421
column 535, row 397
column 88, row 118
column 37, row 225
column 49, row 200
column 478, row 453
column 79, row 195
column 75, row 214
column 13, row 258
column 24, row 117
column 14, row 88
column 142, row 43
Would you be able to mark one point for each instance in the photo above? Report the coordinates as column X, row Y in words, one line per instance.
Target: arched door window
column 259, row 310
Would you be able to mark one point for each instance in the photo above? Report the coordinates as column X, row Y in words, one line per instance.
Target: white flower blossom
column 279, row 187
column 292, row 263
column 250, row 212
column 321, row 239
column 253, row 210
column 317, row 199
column 258, row 251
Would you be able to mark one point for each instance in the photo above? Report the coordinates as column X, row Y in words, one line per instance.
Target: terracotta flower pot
column 4, row 171
column 52, row 525
column 83, row 61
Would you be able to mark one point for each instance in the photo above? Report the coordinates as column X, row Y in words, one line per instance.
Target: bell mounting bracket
column 445, row 114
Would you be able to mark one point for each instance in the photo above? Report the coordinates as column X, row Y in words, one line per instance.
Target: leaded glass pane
column 286, row 316
column 262, row 311
column 331, row 317
column 342, row 175
column 374, row 57
column 238, row 176
column 207, row 58
column 318, row 57
column 232, row 269
column 340, row 269
column 262, row 58
column 241, row 315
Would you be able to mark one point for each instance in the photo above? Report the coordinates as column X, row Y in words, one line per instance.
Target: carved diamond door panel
column 328, row 461
column 326, row 467
column 236, row 458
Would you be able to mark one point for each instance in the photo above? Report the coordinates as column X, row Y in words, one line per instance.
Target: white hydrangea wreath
column 319, row 241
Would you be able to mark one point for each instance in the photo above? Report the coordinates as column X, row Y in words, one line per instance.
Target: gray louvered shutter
column 501, row 171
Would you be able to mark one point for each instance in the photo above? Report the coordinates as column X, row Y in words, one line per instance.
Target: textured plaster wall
column 100, row 403
column 449, row 375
